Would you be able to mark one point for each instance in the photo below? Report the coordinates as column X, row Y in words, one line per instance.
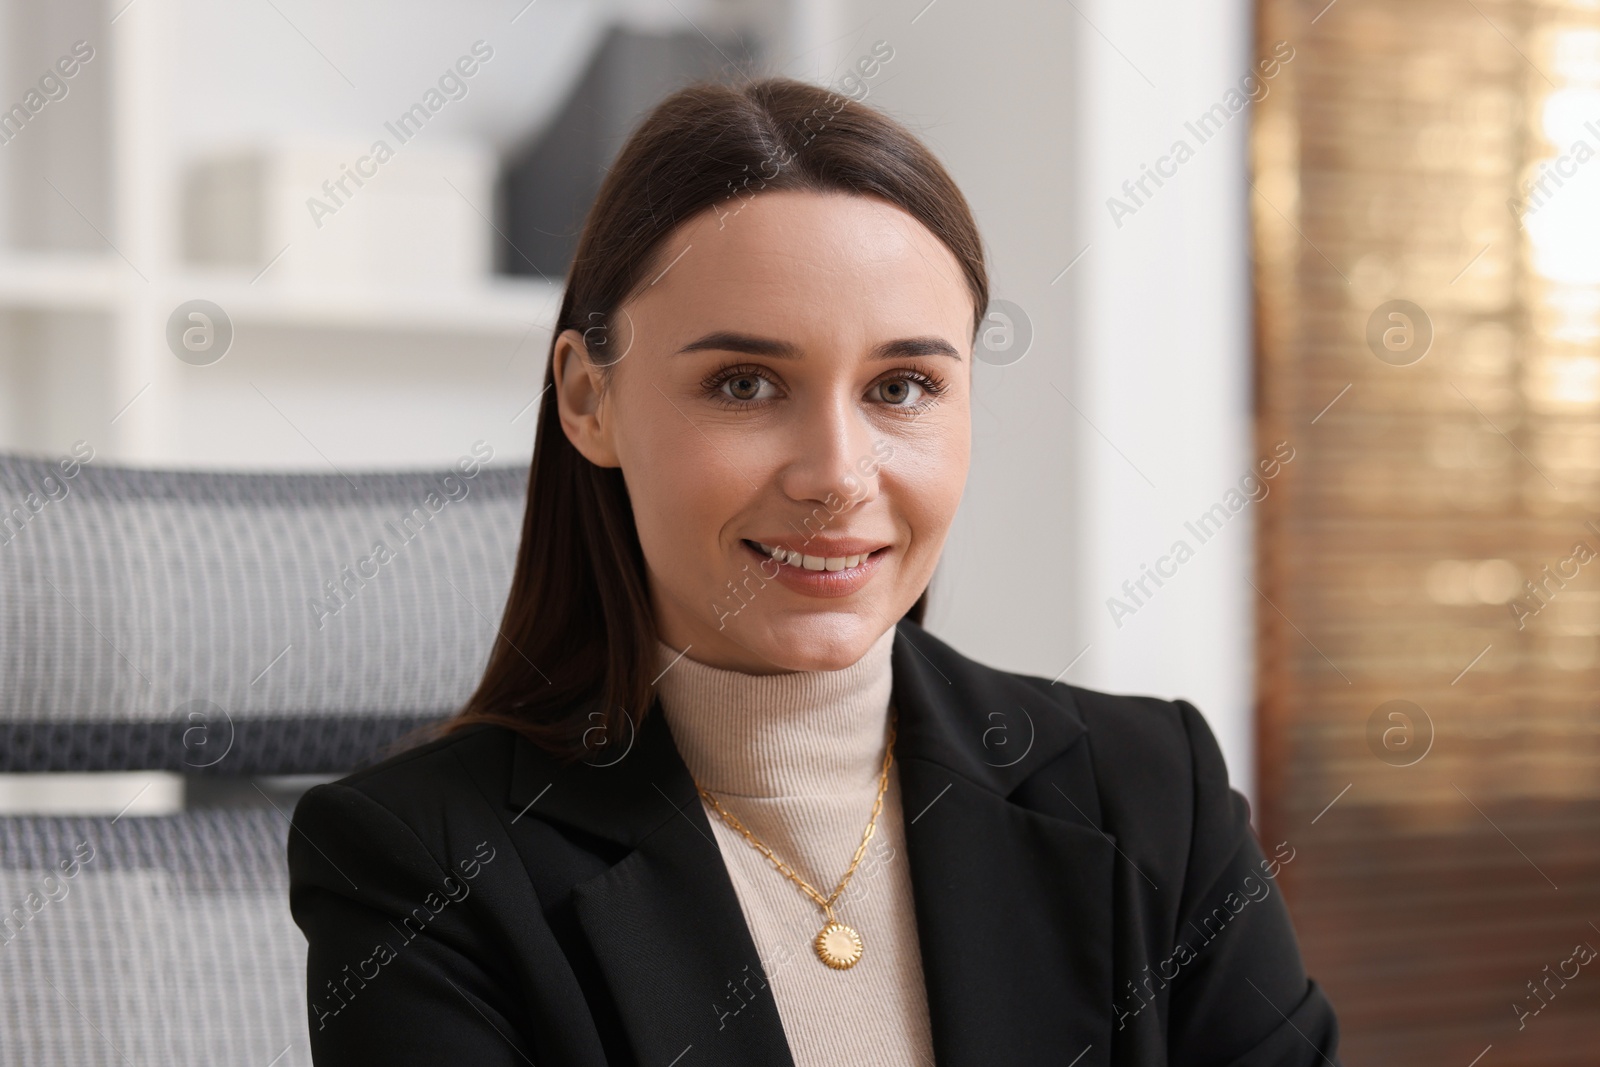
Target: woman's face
column 796, row 386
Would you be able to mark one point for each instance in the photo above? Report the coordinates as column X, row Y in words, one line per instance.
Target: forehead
column 791, row 255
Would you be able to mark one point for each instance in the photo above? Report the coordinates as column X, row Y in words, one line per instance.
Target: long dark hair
column 577, row 647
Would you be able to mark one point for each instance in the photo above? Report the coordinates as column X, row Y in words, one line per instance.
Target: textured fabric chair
column 232, row 628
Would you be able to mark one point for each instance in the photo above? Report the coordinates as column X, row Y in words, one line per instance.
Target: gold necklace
column 837, row 945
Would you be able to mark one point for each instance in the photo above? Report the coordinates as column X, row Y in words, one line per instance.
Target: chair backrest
column 241, row 623
column 156, row 939
column 229, row 627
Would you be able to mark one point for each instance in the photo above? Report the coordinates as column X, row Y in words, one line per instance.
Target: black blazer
column 1087, row 892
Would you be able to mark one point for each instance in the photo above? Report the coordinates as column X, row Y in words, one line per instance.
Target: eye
column 909, row 390
column 899, row 391
column 743, row 385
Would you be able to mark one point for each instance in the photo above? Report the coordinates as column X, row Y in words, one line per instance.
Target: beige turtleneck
column 796, row 758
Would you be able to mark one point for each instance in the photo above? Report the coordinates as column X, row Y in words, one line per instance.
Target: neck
column 802, row 733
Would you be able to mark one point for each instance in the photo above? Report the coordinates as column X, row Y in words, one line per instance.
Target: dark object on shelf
column 548, row 184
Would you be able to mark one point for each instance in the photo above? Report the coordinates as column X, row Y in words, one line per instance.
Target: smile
column 790, row 558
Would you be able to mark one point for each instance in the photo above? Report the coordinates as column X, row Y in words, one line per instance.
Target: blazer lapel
column 664, row 923
column 1013, row 906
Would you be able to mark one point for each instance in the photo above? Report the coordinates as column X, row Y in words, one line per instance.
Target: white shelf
column 500, row 305
column 83, row 334
column 62, row 281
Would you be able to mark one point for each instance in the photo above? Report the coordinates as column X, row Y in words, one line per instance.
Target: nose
column 832, row 461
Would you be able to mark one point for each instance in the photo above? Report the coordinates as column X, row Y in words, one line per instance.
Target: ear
column 582, row 401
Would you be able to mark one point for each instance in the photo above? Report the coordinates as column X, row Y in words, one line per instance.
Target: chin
column 815, row 640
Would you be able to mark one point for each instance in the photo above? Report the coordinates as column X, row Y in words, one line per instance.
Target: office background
column 1172, row 324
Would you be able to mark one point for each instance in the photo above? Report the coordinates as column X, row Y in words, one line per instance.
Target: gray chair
column 236, row 629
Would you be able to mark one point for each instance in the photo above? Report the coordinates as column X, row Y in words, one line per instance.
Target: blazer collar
column 1000, row 890
column 952, row 714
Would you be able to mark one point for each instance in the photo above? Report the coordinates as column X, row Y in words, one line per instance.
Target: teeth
column 812, row 563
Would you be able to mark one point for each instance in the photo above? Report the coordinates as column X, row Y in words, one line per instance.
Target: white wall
column 1163, row 361
column 1131, row 412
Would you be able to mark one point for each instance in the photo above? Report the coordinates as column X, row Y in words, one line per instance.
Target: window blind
column 1426, row 209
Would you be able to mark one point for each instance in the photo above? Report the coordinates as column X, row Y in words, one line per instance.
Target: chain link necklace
column 837, row 945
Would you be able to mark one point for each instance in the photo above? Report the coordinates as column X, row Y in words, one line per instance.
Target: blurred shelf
column 498, row 306
column 62, row 281
column 501, row 305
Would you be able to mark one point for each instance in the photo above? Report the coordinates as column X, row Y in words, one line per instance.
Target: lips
column 824, row 576
column 850, row 556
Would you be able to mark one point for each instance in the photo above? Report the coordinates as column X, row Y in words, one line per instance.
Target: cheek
column 926, row 477
column 682, row 490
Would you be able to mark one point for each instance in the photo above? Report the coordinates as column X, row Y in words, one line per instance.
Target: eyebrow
column 729, row 341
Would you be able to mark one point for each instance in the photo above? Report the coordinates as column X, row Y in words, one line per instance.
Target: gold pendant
column 838, row 946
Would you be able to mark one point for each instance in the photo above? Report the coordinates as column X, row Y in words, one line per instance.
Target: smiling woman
column 711, row 689
column 756, row 359
column 840, row 324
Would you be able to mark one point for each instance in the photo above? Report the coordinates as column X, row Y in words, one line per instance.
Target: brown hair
column 577, row 647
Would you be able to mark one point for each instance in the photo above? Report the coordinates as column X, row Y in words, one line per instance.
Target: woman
column 719, row 799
